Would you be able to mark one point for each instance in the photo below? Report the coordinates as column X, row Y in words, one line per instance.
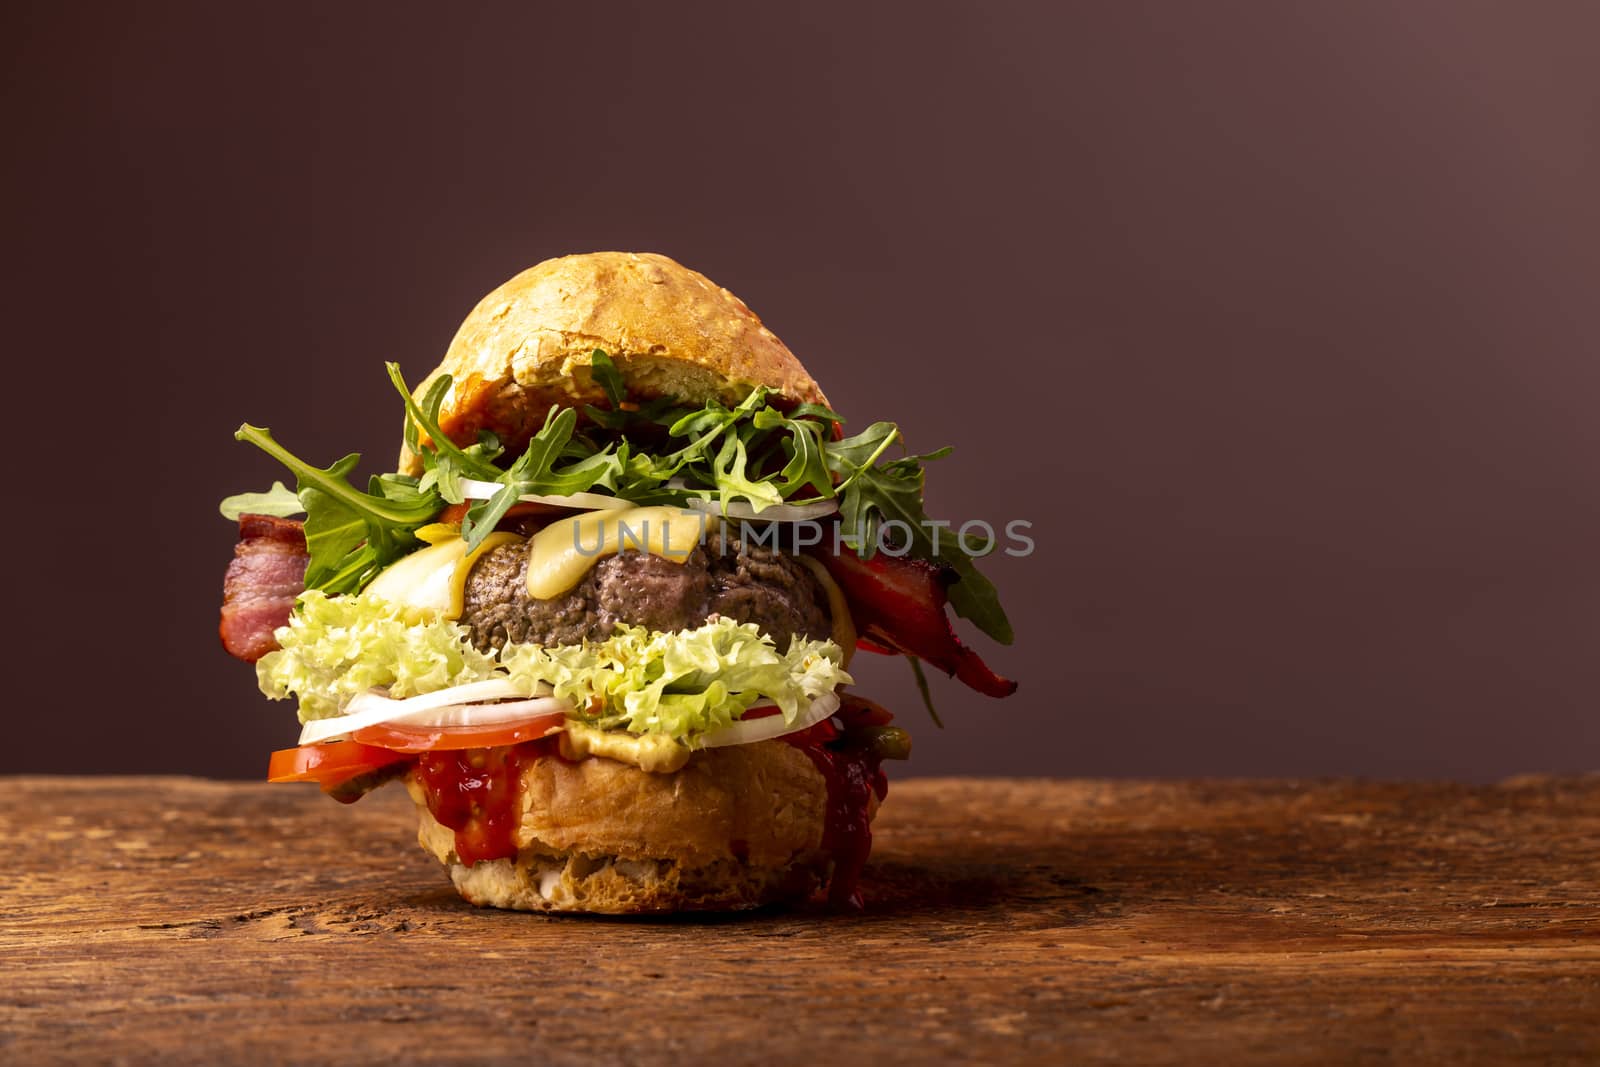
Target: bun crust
column 670, row 330
column 735, row 828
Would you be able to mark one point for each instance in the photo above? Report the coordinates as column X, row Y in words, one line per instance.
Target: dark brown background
column 1279, row 321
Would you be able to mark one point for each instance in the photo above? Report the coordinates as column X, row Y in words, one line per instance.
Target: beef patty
column 723, row 576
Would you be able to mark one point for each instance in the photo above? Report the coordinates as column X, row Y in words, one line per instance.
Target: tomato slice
column 329, row 763
column 760, row 713
column 398, row 739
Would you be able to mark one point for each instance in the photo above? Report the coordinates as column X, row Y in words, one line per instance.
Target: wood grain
column 176, row 920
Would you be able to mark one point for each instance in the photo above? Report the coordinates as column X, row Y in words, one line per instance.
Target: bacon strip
column 267, row 573
column 898, row 603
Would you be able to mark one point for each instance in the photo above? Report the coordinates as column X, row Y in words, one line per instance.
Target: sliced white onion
column 466, row 693
column 373, row 707
column 452, row 715
column 461, row 705
column 487, row 714
column 740, row 509
column 476, row 490
column 747, row 731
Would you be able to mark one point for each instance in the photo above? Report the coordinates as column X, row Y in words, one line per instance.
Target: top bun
column 671, row 331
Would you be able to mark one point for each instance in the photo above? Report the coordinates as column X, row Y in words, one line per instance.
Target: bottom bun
column 735, row 828
column 606, row 885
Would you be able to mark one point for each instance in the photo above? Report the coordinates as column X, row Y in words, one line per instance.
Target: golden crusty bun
column 734, row 828
column 671, row 332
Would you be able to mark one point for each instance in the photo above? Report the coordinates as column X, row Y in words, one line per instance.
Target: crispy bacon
column 267, row 573
column 898, row 603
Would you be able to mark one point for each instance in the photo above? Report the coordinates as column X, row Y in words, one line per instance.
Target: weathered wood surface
column 175, row 920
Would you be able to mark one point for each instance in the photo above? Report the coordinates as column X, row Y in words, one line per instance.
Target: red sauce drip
column 471, row 791
column 852, row 776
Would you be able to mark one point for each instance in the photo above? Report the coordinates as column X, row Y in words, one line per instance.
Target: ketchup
column 472, row 791
column 852, row 776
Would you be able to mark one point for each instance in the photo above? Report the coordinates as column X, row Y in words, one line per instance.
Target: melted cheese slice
column 562, row 553
column 434, row 579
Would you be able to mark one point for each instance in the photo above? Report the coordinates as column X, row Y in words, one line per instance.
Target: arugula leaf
column 975, row 598
column 350, row 535
column 535, row 472
column 816, row 411
column 610, row 379
column 469, row 462
column 752, row 452
column 808, row 463
column 605, row 372
column 874, row 494
column 863, row 449
column 732, row 481
column 732, row 454
column 278, row 500
column 432, row 401
column 802, row 446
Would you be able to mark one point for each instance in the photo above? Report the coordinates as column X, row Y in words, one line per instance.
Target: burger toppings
column 898, row 606
column 448, row 710
column 332, row 764
column 756, row 456
column 726, row 577
column 655, row 753
column 685, row 685
column 764, row 727
column 562, row 553
column 335, row 648
column 751, row 459
column 258, row 592
column 849, row 752
column 434, row 579
column 475, row 490
column 473, row 792
column 405, row 737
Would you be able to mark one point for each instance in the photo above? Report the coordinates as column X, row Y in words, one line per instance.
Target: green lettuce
column 684, row 683
column 336, row 647
column 681, row 684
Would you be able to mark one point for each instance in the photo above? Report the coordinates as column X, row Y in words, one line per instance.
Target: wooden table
column 175, row 920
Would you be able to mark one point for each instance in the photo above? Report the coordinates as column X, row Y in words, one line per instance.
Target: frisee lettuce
column 337, row 646
column 681, row 684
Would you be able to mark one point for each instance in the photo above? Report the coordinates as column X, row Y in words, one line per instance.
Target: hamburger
column 599, row 619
